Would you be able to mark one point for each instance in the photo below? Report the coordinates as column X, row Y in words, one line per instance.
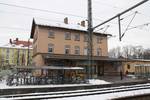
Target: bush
column 5, row 73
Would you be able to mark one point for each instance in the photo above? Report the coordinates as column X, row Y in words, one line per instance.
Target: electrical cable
column 42, row 10
column 128, row 25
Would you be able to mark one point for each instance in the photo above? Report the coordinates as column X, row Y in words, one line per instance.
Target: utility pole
column 28, row 53
column 119, row 15
column 90, row 40
column 91, row 29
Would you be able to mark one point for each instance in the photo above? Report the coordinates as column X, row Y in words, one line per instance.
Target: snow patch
column 3, row 84
column 97, row 81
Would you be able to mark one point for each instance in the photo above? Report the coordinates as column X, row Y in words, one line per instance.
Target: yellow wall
column 132, row 67
column 13, row 56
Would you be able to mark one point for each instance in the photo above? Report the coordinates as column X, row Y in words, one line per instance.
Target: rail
column 64, row 94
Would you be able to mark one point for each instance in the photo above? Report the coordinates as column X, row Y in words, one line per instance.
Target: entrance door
column 100, row 70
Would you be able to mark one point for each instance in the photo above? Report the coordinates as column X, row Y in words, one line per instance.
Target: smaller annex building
column 137, row 67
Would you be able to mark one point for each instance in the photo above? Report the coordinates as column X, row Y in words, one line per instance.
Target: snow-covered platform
column 6, row 90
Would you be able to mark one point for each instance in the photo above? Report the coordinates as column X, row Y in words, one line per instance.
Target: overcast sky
column 15, row 21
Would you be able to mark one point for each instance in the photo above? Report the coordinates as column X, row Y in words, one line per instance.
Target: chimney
column 83, row 23
column 78, row 23
column 17, row 39
column 66, row 20
column 10, row 41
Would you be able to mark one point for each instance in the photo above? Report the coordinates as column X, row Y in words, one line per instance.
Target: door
column 100, row 70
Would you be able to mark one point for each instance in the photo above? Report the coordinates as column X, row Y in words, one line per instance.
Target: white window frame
column 99, row 52
column 67, row 36
column 85, row 37
column 77, row 50
column 99, row 39
column 77, row 37
column 85, row 51
column 67, row 49
column 51, row 34
column 50, row 48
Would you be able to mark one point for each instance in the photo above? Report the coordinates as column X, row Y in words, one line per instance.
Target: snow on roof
column 146, row 60
column 15, row 46
column 59, row 24
column 71, row 26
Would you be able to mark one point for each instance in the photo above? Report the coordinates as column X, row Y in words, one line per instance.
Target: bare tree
column 138, row 52
column 115, row 52
column 127, row 51
column 146, row 54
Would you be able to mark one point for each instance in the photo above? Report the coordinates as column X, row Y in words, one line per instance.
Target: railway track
column 86, row 92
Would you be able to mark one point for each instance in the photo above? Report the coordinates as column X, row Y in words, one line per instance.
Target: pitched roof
column 24, row 43
column 46, row 23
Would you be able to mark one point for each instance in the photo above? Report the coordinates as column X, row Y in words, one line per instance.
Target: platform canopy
column 49, row 67
column 142, row 65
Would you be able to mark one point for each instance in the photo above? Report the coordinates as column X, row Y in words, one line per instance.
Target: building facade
column 67, row 45
column 136, row 66
column 15, row 55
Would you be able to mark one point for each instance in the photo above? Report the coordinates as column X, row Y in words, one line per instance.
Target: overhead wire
column 15, row 28
column 128, row 25
column 146, row 24
column 42, row 10
column 48, row 11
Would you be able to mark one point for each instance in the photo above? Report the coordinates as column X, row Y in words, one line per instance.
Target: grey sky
column 16, row 22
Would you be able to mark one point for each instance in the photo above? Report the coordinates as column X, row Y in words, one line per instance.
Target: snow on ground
column 97, row 81
column 91, row 82
column 108, row 96
column 3, row 84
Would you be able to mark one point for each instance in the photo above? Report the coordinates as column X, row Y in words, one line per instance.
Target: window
column 99, row 52
column 85, row 38
column 99, row 39
column 7, row 53
column 12, row 53
column 85, row 51
column 94, row 69
column 7, row 50
column 7, row 61
column 77, row 37
column 67, row 49
column 51, row 34
column 50, row 48
column 128, row 66
column 68, row 36
column 77, row 50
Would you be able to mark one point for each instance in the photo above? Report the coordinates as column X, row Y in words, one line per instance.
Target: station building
column 64, row 45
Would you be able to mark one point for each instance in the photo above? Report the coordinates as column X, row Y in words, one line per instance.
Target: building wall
column 130, row 68
column 15, row 56
column 59, row 42
column 38, row 60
